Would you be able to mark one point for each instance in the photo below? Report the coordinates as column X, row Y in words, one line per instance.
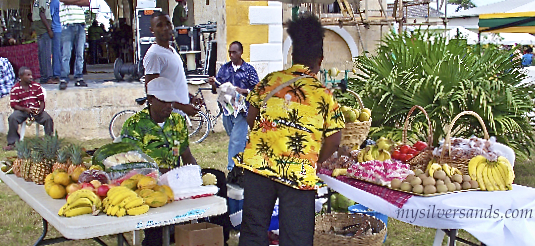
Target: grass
column 21, row 225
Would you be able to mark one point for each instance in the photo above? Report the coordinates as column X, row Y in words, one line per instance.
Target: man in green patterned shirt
column 161, row 134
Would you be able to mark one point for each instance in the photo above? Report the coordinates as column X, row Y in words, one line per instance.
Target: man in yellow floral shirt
column 298, row 127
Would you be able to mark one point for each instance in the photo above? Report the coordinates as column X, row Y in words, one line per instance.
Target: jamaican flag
column 519, row 22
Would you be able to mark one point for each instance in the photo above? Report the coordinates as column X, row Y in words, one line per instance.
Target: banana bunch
column 372, row 152
column 450, row 171
column 122, row 200
column 81, row 202
column 490, row 175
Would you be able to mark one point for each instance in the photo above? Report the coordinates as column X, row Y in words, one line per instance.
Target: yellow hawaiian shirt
column 285, row 141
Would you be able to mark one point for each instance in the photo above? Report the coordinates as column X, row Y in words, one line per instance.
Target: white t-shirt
column 167, row 63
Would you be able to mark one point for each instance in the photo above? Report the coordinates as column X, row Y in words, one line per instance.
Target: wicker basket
column 356, row 132
column 328, row 224
column 421, row 159
column 459, row 163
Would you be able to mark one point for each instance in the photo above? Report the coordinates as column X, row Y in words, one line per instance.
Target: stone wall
column 85, row 113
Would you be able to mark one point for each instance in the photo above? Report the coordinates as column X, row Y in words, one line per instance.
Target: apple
column 72, row 188
column 95, row 183
column 102, row 190
column 88, row 186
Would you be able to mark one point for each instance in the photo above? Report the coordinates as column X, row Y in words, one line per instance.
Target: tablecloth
column 23, row 55
column 488, row 216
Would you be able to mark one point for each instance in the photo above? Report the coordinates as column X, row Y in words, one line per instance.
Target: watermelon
column 115, row 148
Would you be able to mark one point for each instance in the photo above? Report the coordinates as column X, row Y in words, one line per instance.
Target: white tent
column 462, row 33
column 509, row 39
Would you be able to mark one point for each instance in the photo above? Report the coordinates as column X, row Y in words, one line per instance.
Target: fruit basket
column 422, row 158
column 458, row 159
column 356, row 132
column 334, row 229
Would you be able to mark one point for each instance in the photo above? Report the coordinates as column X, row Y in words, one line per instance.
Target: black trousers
column 296, row 212
column 17, row 117
column 153, row 236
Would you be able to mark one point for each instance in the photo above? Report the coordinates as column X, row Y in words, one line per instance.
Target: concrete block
column 275, row 33
column 275, row 66
column 265, row 15
column 262, row 68
column 266, row 52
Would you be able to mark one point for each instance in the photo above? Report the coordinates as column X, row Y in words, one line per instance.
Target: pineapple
column 21, row 147
column 61, row 163
column 76, row 158
column 26, row 164
column 48, row 147
column 37, row 159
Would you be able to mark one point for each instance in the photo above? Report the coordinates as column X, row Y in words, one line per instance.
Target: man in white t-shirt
column 163, row 60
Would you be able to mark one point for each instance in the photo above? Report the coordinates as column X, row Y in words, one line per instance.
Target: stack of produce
column 406, row 152
column 354, row 115
column 122, row 201
column 81, row 202
column 147, row 187
column 469, row 148
column 379, row 172
column 492, row 175
column 436, row 179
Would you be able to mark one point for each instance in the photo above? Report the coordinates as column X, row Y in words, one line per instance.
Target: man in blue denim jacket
column 244, row 77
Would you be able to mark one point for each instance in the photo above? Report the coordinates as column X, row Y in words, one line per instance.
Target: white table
column 491, row 231
column 88, row 226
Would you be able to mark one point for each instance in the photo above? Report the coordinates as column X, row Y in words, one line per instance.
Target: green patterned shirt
column 165, row 144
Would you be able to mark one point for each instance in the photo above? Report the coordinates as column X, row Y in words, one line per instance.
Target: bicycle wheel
column 198, row 127
column 116, row 123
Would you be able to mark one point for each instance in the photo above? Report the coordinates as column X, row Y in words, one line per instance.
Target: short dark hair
column 22, row 70
column 157, row 14
column 237, row 43
column 529, row 50
column 307, row 38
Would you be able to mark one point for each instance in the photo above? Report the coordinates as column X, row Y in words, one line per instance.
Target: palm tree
column 446, row 79
column 295, row 144
column 462, row 4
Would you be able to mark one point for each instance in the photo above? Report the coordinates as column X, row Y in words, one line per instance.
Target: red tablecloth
column 23, row 55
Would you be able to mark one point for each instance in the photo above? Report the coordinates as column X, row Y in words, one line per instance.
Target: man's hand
column 186, row 108
column 50, row 34
column 28, row 110
column 211, row 81
column 242, row 91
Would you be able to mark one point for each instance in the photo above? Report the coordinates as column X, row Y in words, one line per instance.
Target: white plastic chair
column 23, row 125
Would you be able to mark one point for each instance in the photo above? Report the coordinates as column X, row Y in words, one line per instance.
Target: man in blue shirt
column 527, row 58
column 56, row 41
column 244, row 77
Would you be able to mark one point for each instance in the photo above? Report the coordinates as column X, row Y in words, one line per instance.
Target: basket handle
column 447, row 141
column 406, row 126
column 359, row 100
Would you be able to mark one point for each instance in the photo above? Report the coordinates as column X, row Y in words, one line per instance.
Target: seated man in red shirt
column 28, row 100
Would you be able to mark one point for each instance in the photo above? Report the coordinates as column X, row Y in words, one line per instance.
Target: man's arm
column 41, row 107
column 187, row 157
column 252, row 113
column 21, row 108
column 45, row 22
column 329, row 146
column 82, row 3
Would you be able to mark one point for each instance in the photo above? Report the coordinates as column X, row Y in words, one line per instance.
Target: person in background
column 163, row 135
column 244, row 77
column 56, row 41
column 42, row 24
column 180, row 15
column 94, row 33
column 72, row 38
column 27, row 100
column 527, row 58
column 162, row 60
column 298, row 128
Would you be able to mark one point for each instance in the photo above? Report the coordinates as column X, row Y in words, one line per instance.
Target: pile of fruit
column 122, row 200
column 379, row 172
column 147, row 187
column 406, row 152
column 81, row 202
column 492, row 175
column 469, row 148
column 352, row 114
column 436, row 179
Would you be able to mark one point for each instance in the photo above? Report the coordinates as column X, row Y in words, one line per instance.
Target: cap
column 163, row 89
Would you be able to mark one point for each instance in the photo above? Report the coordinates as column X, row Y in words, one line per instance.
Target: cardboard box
column 199, row 234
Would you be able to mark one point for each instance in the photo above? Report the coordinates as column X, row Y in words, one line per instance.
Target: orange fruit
column 62, row 178
column 57, row 191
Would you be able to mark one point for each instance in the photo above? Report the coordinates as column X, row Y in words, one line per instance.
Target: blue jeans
column 45, row 52
column 236, row 128
column 72, row 35
column 56, row 54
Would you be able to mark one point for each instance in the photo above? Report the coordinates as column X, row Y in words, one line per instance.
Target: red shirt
column 28, row 98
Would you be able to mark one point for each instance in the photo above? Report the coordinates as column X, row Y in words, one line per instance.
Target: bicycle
column 206, row 111
column 198, row 125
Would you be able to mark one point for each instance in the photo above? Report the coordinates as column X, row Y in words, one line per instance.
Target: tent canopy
column 519, row 22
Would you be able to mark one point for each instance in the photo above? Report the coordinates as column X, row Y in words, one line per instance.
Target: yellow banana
column 431, row 162
column 504, row 171
column 138, row 210
column 121, row 212
column 105, row 202
column 456, row 171
column 339, row 171
column 368, row 155
column 82, row 202
column 360, row 155
column 114, row 210
column 479, row 176
column 472, row 165
column 375, row 152
column 117, row 189
column 447, row 169
column 511, row 173
column 78, row 211
column 120, row 197
column 383, row 155
column 498, row 179
column 62, row 210
column 138, row 201
column 80, row 194
column 123, row 203
column 486, row 179
column 434, row 167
